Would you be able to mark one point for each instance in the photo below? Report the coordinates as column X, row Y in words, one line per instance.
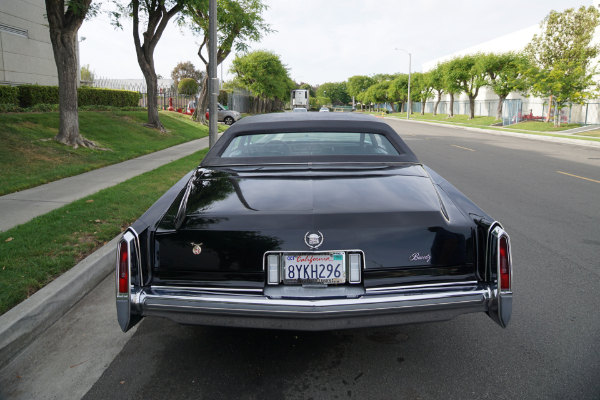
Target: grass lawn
column 457, row 119
column 595, row 133
column 33, row 254
column 539, row 126
column 534, row 126
column 25, row 161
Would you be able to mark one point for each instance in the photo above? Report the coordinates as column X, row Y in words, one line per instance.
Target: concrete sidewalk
column 20, row 207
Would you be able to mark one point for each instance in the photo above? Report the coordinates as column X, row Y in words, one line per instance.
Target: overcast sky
column 329, row 41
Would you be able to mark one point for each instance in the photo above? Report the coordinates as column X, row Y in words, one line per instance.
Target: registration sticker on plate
column 314, row 268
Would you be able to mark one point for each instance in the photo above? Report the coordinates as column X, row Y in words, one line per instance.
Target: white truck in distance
column 300, row 99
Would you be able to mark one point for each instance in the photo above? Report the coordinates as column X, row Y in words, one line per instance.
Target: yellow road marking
column 462, row 147
column 580, row 177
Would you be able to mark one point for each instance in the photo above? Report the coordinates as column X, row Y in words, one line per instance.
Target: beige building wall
column 25, row 50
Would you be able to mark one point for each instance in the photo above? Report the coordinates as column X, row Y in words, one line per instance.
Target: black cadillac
column 313, row 222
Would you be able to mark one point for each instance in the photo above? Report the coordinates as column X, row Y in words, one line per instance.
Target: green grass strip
column 29, row 159
column 33, row 254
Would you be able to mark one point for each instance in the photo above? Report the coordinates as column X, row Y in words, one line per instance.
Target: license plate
column 314, row 268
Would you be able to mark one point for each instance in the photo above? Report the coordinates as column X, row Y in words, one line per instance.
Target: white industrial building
column 26, row 55
column 487, row 101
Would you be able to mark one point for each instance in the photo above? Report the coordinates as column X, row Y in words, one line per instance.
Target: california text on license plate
column 314, row 268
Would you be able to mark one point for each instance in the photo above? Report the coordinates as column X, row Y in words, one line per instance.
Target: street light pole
column 409, row 102
column 212, row 74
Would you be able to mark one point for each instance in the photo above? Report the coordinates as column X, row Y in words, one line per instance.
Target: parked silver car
column 227, row 116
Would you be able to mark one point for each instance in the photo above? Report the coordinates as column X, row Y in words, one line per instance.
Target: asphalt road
column 545, row 194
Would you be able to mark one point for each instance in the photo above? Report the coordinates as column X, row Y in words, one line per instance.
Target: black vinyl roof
column 308, row 122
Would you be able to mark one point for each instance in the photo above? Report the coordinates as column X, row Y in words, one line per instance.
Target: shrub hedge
column 31, row 95
column 9, row 94
column 107, row 97
column 12, row 108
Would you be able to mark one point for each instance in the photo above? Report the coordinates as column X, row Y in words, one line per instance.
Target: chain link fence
column 239, row 100
column 169, row 96
column 513, row 110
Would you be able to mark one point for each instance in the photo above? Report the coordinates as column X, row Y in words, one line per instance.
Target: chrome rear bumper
column 405, row 305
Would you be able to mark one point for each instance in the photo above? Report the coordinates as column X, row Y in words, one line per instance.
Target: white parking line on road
column 462, row 147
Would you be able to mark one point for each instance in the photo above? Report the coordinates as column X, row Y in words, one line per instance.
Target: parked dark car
column 312, row 221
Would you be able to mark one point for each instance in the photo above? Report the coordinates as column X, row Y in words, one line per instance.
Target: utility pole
column 409, row 99
column 213, row 89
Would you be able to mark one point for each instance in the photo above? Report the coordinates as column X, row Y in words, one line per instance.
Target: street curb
column 24, row 323
column 577, row 142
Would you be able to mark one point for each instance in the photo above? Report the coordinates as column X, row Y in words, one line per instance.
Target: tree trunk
column 152, row 98
column 451, row 113
column 157, row 20
column 437, row 103
column 500, row 101
column 200, row 112
column 549, row 109
column 392, row 106
column 64, row 25
column 423, row 107
column 471, row 107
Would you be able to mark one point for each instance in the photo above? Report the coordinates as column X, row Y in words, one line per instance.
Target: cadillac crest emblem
column 313, row 240
column 197, row 249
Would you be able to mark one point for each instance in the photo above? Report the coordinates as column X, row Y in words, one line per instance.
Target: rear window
column 295, row 144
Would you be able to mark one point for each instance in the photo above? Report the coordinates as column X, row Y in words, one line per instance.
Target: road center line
column 462, row 147
column 576, row 176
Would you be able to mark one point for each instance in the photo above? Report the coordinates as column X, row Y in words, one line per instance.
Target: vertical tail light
column 123, row 268
column 504, row 264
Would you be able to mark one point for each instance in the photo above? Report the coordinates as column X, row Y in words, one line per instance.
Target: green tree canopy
column 423, row 82
column 466, row 74
column 239, row 22
column 87, row 74
column 378, row 93
column 336, row 91
column 438, row 84
column 185, row 70
column 188, row 86
column 384, row 77
column 358, row 84
column 310, row 89
column 398, row 89
column 263, row 73
column 505, row 74
column 561, row 57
